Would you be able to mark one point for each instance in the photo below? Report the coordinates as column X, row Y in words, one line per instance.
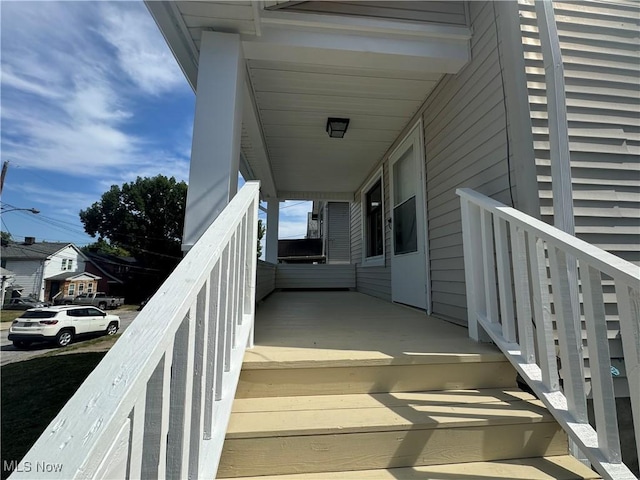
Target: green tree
column 6, row 236
column 261, row 230
column 102, row 246
column 145, row 218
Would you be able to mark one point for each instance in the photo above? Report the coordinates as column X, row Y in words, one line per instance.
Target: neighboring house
column 34, row 264
column 116, row 273
column 67, row 285
column 436, row 96
column 7, row 278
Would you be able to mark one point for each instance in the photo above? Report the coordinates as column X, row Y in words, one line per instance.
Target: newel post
column 473, row 267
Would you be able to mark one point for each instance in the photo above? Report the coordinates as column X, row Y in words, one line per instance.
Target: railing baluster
column 604, row 399
column 199, row 358
column 542, row 310
column 136, row 441
column 155, row 421
column 243, row 272
column 165, row 404
column 236, row 297
column 490, row 288
column 233, row 287
column 212, row 391
column 569, row 344
column 225, row 337
column 504, row 280
column 629, row 314
column 180, row 401
column 523, row 297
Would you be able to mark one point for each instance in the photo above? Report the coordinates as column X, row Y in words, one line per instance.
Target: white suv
column 61, row 325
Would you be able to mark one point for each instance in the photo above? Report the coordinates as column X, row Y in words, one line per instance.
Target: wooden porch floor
column 329, row 328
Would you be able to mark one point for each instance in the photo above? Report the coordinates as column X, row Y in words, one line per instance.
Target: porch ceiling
column 303, row 68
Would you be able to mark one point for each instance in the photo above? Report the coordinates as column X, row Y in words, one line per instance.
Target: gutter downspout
column 563, row 217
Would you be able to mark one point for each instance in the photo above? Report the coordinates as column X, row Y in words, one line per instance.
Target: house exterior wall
column 28, row 274
column 465, row 146
column 599, row 42
column 53, row 265
column 373, row 280
column 337, row 233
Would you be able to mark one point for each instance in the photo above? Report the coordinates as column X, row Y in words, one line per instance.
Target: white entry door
column 408, row 255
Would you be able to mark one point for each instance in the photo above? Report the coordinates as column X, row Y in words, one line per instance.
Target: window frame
column 377, row 260
column 71, row 289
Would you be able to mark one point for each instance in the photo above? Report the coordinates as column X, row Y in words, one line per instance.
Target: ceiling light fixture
column 337, row 127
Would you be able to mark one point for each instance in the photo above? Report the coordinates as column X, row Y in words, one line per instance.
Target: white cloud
column 72, row 73
column 140, row 48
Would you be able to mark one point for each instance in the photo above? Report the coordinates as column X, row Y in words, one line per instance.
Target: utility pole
column 5, row 167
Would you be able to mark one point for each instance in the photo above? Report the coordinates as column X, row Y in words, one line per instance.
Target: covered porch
column 334, row 328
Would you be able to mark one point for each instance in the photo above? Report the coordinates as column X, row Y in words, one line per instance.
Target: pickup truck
column 98, row 299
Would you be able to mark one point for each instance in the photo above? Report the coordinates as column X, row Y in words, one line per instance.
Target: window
column 90, row 287
column 72, row 288
column 80, row 287
column 373, row 222
column 67, row 264
column 64, row 264
column 70, row 265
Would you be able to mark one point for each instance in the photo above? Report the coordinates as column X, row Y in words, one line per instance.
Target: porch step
column 376, row 375
column 561, row 467
column 339, row 433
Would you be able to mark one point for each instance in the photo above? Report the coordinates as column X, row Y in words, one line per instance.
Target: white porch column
column 215, row 151
column 273, row 219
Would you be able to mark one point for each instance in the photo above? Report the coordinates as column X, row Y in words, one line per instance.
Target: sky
column 91, row 96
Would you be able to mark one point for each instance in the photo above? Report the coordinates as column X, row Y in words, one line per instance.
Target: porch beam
column 273, row 221
column 340, row 47
column 258, row 160
column 215, row 152
column 367, row 25
column 331, row 196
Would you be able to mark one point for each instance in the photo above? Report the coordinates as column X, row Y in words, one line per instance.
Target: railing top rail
column 606, row 262
column 103, row 402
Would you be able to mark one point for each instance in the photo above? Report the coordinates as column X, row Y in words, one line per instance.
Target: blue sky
column 91, row 96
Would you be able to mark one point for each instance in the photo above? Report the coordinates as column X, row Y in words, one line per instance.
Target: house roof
column 101, row 260
column 35, row 251
column 72, row 275
column 6, row 273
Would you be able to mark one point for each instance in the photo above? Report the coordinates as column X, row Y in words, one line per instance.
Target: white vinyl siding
column 337, row 233
column 265, row 279
column 465, row 143
column 28, row 274
column 372, row 280
column 306, row 276
column 601, row 58
column 443, row 12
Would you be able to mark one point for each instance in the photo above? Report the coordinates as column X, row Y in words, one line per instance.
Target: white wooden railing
column 511, row 256
column 158, row 404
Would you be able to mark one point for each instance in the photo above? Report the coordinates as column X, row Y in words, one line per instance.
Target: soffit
column 297, row 86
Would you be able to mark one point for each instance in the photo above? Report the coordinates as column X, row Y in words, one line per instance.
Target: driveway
column 10, row 354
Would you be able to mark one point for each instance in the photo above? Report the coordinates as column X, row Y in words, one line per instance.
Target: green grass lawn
column 9, row 315
column 33, row 392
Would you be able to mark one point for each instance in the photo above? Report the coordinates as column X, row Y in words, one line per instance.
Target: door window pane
column 404, row 227
column 404, row 177
column 374, row 226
